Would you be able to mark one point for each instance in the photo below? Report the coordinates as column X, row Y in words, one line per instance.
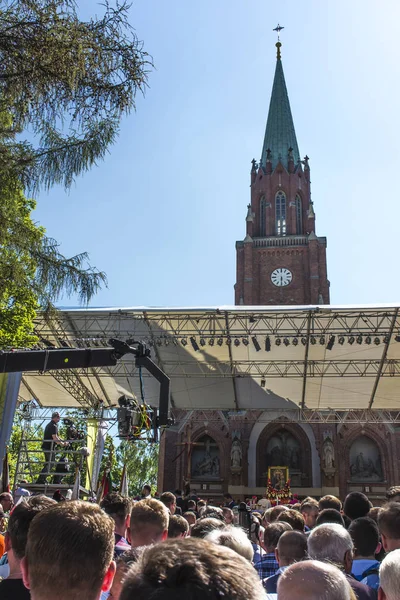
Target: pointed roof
column 280, row 134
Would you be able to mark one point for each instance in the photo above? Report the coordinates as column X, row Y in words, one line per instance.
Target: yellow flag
column 92, row 429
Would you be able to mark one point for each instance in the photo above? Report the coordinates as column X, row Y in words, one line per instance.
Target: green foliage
column 68, row 81
column 141, row 460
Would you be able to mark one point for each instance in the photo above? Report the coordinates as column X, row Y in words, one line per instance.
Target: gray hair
column 313, row 580
column 389, row 575
column 329, row 542
column 234, row 538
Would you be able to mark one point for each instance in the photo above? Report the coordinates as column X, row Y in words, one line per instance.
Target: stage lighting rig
column 256, row 344
column 330, row 343
column 195, row 345
column 267, row 344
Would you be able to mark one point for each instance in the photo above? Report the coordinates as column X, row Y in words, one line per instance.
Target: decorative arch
column 299, row 215
column 263, row 217
column 205, row 458
column 280, row 213
column 365, row 460
column 289, row 444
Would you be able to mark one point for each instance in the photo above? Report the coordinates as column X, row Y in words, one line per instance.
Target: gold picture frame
column 278, row 476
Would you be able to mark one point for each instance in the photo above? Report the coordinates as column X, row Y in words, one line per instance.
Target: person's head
column 191, row 569
column 178, row 493
column 234, row 538
column 123, row 563
column 69, row 552
column 228, row 515
column 389, row 577
column 117, row 507
column 20, row 521
column 272, row 534
column 190, row 517
column 329, row 515
column 294, row 518
column 228, row 498
column 6, row 501
column 191, row 505
column 393, row 493
column 169, row 500
column 331, row 543
column 309, row 500
column 389, row 526
column 309, row 511
column 329, row 501
column 55, row 417
column 177, row 527
column 292, row 547
column 313, row 580
column 146, row 490
column 214, row 512
column 356, row 504
column 204, row 526
column 201, row 504
column 274, row 512
column 373, row 513
column 149, row 522
column 365, row 535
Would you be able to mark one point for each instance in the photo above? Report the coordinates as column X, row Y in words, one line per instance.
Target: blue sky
column 162, row 213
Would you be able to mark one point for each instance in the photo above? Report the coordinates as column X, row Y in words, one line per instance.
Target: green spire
column 280, row 135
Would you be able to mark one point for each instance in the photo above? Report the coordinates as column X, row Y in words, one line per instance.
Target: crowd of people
column 176, row 547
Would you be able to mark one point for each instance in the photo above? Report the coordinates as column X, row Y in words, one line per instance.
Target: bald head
column 313, row 580
column 292, row 547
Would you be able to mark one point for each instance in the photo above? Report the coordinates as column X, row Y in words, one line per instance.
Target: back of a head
column 329, row 542
column 329, row 515
column 177, row 526
column 392, row 494
column 292, row 547
column 117, row 507
column 330, row 502
column 213, row 512
column 313, row 580
column 389, row 575
column 294, row 518
column 20, row 521
column 272, row 534
column 276, row 511
column 356, row 504
column 168, row 498
column 365, row 535
column 191, row 569
column 204, row 526
column 309, row 500
column 70, row 546
column 233, row 538
column 389, row 520
column 149, row 521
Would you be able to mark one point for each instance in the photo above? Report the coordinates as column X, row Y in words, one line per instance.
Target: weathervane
column 278, row 29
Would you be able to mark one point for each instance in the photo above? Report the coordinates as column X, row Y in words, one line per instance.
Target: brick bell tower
column 281, row 260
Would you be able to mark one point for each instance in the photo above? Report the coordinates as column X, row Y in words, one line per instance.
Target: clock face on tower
column 281, row 277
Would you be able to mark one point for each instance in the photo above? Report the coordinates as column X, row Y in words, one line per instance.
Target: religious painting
column 205, row 459
column 284, row 449
column 278, row 476
column 365, row 460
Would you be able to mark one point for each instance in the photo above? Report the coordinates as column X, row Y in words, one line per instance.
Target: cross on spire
column 278, row 29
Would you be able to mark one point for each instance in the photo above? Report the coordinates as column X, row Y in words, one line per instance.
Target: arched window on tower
column 263, row 217
column 299, row 215
column 280, row 213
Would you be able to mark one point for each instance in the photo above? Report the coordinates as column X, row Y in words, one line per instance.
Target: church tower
column 281, row 260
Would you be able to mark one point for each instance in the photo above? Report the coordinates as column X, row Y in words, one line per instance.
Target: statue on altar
column 236, row 452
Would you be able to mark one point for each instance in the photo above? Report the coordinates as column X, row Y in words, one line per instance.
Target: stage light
column 166, row 342
column 174, row 341
column 202, row 341
column 256, row 344
column 295, row 341
column 220, row 341
column 286, row 341
column 330, row 343
column 267, row 344
column 245, row 342
column 263, row 382
column 194, row 344
column 368, row 339
column 351, row 339
column 322, row 340
column 252, row 319
column 228, row 341
column 159, row 342
column 211, row 341
column 397, row 338
column 184, row 342
column 278, row 341
column 359, row 339
column 313, row 340
column 341, row 340
column 377, row 341
column 304, row 341
column 237, row 342
column 386, row 339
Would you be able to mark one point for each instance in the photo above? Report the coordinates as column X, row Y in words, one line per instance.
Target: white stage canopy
column 322, row 358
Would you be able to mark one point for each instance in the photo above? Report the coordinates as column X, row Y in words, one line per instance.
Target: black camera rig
column 16, row 361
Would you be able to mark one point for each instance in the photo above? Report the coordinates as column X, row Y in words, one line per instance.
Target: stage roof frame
column 306, row 358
